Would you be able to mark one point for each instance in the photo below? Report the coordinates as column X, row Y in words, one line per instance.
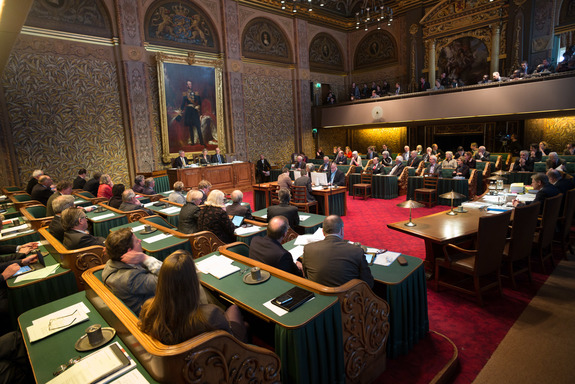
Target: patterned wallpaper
column 269, row 117
column 557, row 132
column 394, row 138
column 329, row 138
column 65, row 114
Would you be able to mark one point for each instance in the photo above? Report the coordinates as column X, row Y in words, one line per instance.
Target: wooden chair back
column 551, row 210
column 472, row 184
column 491, row 237
column 275, row 200
column 22, row 199
column 298, row 194
column 522, row 231
column 36, row 215
column 132, row 216
column 402, row 181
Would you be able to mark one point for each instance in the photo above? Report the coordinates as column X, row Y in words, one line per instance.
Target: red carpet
column 475, row 331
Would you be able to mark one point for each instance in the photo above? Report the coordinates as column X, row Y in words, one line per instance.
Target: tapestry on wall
column 263, row 40
column 181, row 25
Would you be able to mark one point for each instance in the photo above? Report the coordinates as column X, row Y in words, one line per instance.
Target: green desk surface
column 20, row 238
column 102, row 227
column 11, row 212
column 159, row 249
column 29, row 294
column 310, row 225
column 47, row 354
column 80, row 202
column 172, row 218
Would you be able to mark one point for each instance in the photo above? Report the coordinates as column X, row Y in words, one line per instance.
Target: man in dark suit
column 482, row 154
column 180, row 161
column 131, row 203
column 204, row 186
column 397, row 167
column 462, row 168
column 188, row 222
column 560, row 180
column 237, row 209
column 60, row 204
column 540, row 183
column 335, row 176
column 371, row 153
column 93, row 184
column 325, row 167
column 42, row 191
column 333, row 261
column 77, row 236
column 284, row 208
column 305, row 181
column 34, row 180
column 413, row 160
column 80, row 180
column 269, row 249
column 299, row 163
column 376, row 166
column 340, row 159
column 218, row 158
column 62, row 188
column 524, row 163
column 263, row 169
column 433, row 168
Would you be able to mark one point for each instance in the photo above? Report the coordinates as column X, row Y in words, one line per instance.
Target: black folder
column 298, row 297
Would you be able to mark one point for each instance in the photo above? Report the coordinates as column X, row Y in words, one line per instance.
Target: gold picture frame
column 184, row 106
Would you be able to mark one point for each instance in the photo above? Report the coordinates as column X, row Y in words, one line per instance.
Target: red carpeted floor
column 475, row 331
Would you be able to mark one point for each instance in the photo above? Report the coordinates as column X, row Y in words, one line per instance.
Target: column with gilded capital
column 431, row 62
column 495, row 38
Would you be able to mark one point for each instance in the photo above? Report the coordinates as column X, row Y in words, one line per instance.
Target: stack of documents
column 217, row 266
column 13, row 231
column 247, row 230
column 37, row 274
column 307, row 239
column 102, row 217
column 169, row 211
column 159, row 237
column 57, row 321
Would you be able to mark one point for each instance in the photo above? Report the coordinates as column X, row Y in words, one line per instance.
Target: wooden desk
column 225, row 176
column 440, row 229
column 101, row 227
column 309, row 225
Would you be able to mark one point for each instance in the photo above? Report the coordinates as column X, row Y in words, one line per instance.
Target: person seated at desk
column 76, row 233
column 18, row 251
column 569, row 149
column 460, row 153
column 325, row 166
column 427, row 155
column 482, row 154
column 433, row 169
column 188, row 219
column 469, row 160
column 398, row 167
column 540, row 183
column 129, row 273
column 116, row 199
column 42, row 190
column 93, row 184
column 554, row 162
column 370, row 153
column 62, row 188
column 462, row 169
column 305, row 181
column 172, row 317
column 406, row 153
column 204, row 187
column 562, row 181
column 213, row 218
column 60, row 204
column 376, row 167
column 14, row 363
column 535, row 153
column 299, row 164
column 269, row 249
column 205, row 159
column 105, row 188
column 178, row 195
column 181, row 161
column 131, row 203
column 335, row 176
column 413, row 160
column 80, row 180
column 449, row 161
column 237, row 209
column 284, row 181
column 386, row 159
column 218, row 158
column 284, row 208
column 340, row 159
column 34, row 180
column 355, row 160
column 544, row 148
column 149, row 185
column 333, row 261
column 139, row 184
column 263, row 169
column 524, row 163
column 437, row 151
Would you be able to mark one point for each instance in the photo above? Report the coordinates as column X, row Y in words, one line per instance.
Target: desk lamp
column 410, row 204
column 452, row 196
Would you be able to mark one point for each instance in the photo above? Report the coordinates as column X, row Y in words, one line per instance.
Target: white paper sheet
column 386, row 258
column 274, row 308
column 304, row 217
column 296, row 252
column 169, row 211
column 138, row 228
column 159, row 237
column 102, row 217
column 38, row 274
column 244, row 231
column 16, row 228
column 148, row 204
column 218, row 266
column 57, row 321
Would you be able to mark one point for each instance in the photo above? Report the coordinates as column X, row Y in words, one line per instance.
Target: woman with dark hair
column 116, row 199
column 173, row 317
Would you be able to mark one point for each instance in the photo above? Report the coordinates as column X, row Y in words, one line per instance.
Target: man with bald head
column 42, row 191
column 237, row 209
column 333, row 261
column 269, row 249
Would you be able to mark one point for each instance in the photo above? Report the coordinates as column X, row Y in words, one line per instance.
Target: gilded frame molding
column 193, row 59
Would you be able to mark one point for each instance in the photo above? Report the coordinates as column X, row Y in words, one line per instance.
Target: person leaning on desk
column 336, row 177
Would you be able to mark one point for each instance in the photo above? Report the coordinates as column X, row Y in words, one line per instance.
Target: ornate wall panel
column 557, row 132
column 542, row 31
column 180, row 24
column 262, row 39
column 325, row 53
column 329, row 138
column 155, row 115
column 394, row 138
column 378, row 48
column 64, row 114
column 269, row 114
column 86, row 17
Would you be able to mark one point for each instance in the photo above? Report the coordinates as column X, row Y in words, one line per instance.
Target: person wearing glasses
column 75, row 224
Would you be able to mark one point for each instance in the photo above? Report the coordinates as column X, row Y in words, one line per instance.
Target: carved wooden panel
column 262, row 39
column 376, row 49
column 325, row 53
column 203, row 243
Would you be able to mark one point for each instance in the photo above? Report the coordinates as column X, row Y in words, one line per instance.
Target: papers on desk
column 495, row 199
column 385, row 259
column 159, row 237
column 168, row 192
column 217, row 266
column 296, row 175
column 307, row 239
column 102, row 217
column 57, row 321
column 525, row 198
column 304, row 217
column 241, row 231
column 79, row 201
column 317, row 188
column 170, row 210
column 274, row 308
column 498, row 209
column 132, row 377
column 100, row 367
column 148, row 204
column 14, row 229
column 37, row 274
column 474, row 205
column 138, row 228
column 43, row 242
column 296, row 252
column 264, row 216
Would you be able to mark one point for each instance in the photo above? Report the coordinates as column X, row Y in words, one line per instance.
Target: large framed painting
column 191, row 104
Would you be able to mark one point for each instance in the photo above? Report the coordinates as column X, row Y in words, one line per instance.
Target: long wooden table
column 224, row 176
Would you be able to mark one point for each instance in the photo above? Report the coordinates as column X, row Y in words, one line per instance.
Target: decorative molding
column 377, row 48
column 129, row 22
column 262, row 39
column 325, row 53
column 65, row 48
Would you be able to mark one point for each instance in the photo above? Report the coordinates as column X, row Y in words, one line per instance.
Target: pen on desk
column 373, row 258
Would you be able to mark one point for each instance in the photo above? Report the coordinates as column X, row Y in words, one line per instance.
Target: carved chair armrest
column 470, row 252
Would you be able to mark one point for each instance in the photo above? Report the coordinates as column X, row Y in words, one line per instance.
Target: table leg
column 432, row 250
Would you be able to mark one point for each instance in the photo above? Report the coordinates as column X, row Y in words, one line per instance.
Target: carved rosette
column 205, row 244
column 365, row 329
column 87, row 260
column 132, row 217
